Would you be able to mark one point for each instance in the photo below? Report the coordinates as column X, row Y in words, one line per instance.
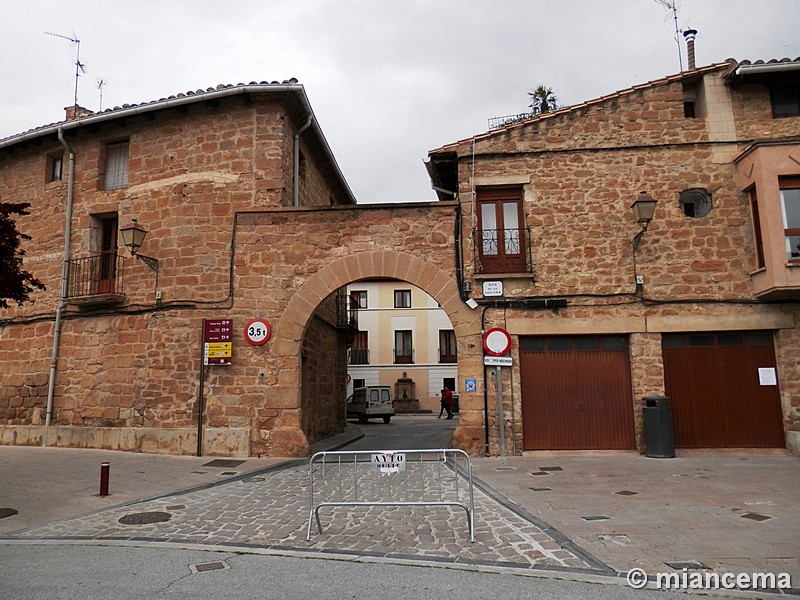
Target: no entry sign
column 497, row 341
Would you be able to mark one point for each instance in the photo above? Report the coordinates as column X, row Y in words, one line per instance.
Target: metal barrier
column 390, row 478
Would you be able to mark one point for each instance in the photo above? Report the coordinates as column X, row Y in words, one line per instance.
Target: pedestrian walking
column 441, row 402
column 448, row 402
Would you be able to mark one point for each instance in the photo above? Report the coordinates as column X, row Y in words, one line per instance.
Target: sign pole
column 201, row 399
column 500, row 416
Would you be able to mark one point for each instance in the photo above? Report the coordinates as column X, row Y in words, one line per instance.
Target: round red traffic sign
column 497, row 341
column 257, row 332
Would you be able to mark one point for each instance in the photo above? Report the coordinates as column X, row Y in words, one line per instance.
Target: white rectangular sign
column 766, row 376
column 497, row 361
column 388, row 463
column 492, row 288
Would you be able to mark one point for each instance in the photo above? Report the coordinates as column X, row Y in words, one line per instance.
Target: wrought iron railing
column 503, row 250
column 358, row 356
column 346, row 310
column 100, row 274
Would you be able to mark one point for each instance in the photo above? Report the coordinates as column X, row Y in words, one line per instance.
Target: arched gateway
column 378, row 264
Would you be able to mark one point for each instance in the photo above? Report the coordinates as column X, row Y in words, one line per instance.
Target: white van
column 370, row 402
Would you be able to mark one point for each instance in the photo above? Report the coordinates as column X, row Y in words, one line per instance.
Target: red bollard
column 105, row 469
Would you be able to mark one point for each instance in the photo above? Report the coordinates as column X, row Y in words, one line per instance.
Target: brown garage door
column 576, row 393
column 718, row 400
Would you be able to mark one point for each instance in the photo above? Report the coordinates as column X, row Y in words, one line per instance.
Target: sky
column 388, row 81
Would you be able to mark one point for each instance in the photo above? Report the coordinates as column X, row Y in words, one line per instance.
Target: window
column 785, row 100
column 501, row 241
column 403, row 348
column 116, row 166
column 757, row 229
column 790, row 207
column 695, row 202
column 55, row 168
column 359, row 298
column 359, row 353
column 359, row 383
column 447, row 346
column 402, row 298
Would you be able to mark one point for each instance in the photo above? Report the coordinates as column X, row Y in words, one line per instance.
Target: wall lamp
column 133, row 238
column 644, row 207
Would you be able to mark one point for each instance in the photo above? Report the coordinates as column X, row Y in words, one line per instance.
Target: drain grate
column 596, row 518
column 550, row 469
column 145, row 518
column 542, row 489
column 224, row 463
column 537, row 473
column 211, row 566
column 755, row 517
column 626, row 493
column 8, row 512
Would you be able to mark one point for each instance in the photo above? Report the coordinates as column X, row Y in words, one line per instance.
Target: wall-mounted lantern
column 133, row 238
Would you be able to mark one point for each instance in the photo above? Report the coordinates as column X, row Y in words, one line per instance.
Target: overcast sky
column 388, row 81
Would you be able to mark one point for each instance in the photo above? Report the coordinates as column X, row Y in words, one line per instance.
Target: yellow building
column 403, row 335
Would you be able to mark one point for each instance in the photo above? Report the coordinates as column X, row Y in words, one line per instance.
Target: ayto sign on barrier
column 390, row 478
column 388, row 463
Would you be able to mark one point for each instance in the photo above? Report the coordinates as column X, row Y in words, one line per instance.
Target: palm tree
column 542, row 99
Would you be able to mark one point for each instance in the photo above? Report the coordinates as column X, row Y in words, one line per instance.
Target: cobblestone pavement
column 270, row 509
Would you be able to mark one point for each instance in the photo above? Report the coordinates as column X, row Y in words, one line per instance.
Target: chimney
column 77, row 112
column 690, row 34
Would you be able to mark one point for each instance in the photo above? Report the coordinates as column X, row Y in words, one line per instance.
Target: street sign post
column 497, row 343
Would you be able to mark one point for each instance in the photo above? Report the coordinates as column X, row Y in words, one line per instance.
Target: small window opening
column 695, row 202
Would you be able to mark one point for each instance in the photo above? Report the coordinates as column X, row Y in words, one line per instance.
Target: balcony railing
column 98, row 276
column 502, row 251
column 358, row 356
column 347, row 311
column 403, row 359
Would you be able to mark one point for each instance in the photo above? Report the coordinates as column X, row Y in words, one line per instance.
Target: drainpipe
column 296, row 192
column 64, row 274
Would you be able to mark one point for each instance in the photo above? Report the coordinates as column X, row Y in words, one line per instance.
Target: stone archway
column 291, row 327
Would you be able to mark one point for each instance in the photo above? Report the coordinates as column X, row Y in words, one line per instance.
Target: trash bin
column 454, row 406
column 659, row 437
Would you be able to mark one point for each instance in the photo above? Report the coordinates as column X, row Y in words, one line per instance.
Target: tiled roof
column 182, row 98
column 729, row 64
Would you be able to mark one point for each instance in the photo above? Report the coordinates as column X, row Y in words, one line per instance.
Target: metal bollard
column 105, row 469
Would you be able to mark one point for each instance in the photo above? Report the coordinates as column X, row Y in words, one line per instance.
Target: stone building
column 697, row 302
column 250, row 220
column 111, row 357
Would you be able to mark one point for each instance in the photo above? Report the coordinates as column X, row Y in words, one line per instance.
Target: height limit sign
column 217, row 341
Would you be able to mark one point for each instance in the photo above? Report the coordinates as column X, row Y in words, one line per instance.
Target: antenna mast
column 79, row 66
column 100, row 84
column 673, row 6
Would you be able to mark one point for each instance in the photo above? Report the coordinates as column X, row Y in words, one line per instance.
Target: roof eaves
column 221, row 91
column 575, row 107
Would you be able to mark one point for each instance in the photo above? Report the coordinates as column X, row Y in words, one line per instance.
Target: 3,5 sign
column 257, row 332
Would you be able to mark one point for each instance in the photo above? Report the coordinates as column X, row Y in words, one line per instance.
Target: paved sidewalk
column 724, row 511
column 578, row 513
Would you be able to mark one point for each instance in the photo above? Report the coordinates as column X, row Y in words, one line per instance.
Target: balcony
column 358, row 356
column 96, row 280
column 502, row 251
column 347, row 316
column 401, row 357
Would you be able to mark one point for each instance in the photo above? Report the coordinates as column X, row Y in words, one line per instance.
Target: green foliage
column 542, row 99
column 15, row 282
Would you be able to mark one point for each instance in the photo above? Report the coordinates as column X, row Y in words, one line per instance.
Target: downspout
column 296, row 183
column 64, row 275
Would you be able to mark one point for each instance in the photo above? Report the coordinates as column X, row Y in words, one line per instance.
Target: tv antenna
column 79, row 66
column 100, row 83
column 673, row 6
